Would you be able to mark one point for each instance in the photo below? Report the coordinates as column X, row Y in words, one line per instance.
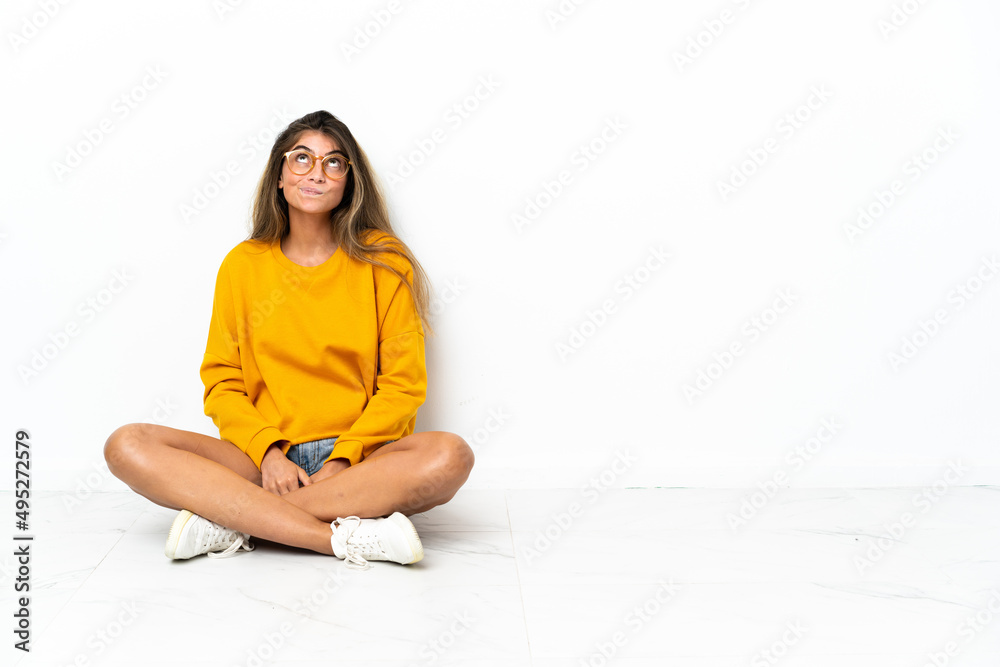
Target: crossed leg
column 214, row 479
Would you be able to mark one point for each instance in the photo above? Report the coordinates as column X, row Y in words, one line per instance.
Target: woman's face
column 314, row 191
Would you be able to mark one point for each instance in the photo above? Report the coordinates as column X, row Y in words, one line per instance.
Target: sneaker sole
column 410, row 533
column 176, row 529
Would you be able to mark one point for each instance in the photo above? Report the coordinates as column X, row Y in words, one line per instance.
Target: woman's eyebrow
column 314, row 152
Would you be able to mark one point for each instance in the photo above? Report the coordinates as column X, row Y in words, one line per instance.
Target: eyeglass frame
column 314, row 159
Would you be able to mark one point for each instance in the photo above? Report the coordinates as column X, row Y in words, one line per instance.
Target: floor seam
column 517, row 571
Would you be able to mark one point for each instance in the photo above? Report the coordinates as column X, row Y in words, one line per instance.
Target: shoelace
column 216, row 534
column 367, row 544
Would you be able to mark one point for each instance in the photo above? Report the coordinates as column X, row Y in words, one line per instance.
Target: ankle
column 321, row 540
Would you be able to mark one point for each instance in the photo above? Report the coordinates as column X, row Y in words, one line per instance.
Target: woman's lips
column 311, row 191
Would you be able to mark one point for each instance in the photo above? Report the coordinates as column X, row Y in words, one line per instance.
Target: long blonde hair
column 362, row 208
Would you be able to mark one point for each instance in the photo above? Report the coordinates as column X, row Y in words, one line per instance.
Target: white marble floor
column 560, row 578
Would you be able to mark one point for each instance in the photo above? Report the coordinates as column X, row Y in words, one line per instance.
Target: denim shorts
column 310, row 456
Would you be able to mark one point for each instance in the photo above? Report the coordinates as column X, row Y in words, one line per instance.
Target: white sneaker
column 359, row 540
column 192, row 535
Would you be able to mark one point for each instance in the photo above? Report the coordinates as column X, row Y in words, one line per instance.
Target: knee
column 125, row 445
column 453, row 458
column 447, row 461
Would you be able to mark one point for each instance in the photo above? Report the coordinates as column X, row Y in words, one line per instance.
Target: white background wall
column 81, row 83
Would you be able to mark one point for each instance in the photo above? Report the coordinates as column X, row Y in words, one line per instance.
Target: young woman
column 313, row 372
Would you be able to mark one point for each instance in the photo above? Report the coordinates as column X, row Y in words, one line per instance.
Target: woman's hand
column 330, row 468
column 278, row 474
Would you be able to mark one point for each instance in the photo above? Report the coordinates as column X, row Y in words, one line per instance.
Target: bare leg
column 214, row 479
column 411, row 475
column 186, row 470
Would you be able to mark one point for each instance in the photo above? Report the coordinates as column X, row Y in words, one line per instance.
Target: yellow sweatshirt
column 304, row 353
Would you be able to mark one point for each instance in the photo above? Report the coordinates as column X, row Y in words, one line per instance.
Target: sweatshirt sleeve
column 401, row 382
column 226, row 400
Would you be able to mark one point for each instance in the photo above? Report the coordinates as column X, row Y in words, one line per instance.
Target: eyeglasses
column 301, row 162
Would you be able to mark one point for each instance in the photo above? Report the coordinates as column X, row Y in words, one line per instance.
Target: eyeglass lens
column 301, row 162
